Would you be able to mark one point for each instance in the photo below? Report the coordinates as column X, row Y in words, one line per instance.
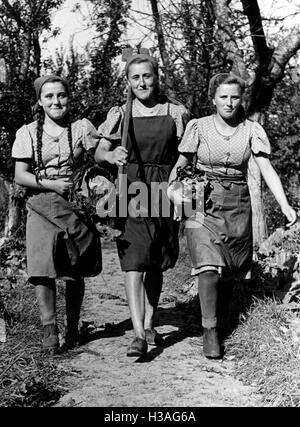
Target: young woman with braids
column 60, row 243
column 220, row 242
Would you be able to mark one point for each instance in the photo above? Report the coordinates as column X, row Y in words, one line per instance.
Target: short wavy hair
column 224, row 78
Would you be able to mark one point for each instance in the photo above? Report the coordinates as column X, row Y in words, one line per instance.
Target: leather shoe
column 211, row 345
column 153, row 337
column 137, row 348
column 50, row 339
column 72, row 338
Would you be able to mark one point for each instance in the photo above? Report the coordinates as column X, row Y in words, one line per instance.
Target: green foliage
column 105, row 86
column 283, row 129
column 193, row 51
column 96, row 78
column 21, row 25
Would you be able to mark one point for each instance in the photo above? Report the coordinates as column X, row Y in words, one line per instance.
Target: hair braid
column 72, row 160
column 39, row 136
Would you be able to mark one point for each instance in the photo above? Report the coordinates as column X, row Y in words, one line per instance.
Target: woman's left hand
column 290, row 213
column 175, row 193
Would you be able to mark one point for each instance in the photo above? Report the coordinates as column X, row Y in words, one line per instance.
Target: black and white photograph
column 149, row 206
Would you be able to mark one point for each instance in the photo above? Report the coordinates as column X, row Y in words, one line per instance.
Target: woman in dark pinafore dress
column 149, row 244
column 220, row 242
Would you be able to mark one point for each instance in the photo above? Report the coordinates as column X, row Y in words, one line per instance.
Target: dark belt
column 236, row 179
column 161, row 167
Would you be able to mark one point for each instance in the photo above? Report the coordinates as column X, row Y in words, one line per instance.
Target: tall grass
column 27, row 377
column 266, row 355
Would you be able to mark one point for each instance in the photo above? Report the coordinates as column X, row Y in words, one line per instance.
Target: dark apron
column 59, row 243
column 224, row 235
column 150, row 242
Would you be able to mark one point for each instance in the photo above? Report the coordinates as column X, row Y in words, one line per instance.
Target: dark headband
column 40, row 81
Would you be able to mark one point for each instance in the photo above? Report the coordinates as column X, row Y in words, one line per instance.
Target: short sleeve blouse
column 111, row 129
column 55, row 150
column 221, row 154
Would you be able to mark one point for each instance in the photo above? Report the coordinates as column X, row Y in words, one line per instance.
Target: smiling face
column 228, row 99
column 143, row 81
column 54, row 100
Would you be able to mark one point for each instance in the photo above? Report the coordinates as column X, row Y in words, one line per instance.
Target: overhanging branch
column 285, row 50
column 234, row 54
column 11, row 11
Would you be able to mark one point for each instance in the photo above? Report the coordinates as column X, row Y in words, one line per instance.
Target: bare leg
column 45, row 291
column 135, row 293
column 153, row 285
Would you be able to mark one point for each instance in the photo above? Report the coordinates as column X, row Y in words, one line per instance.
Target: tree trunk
column 260, row 232
column 162, row 48
column 13, row 216
column 259, row 226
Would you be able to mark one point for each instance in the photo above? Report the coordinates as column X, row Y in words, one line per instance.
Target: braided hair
column 39, row 137
column 72, row 160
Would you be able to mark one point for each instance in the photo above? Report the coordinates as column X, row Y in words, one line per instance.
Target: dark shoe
column 50, row 339
column 72, row 338
column 153, row 337
column 211, row 345
column 137, row 348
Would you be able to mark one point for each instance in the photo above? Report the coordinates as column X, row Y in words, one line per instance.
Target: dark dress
column 150, row 242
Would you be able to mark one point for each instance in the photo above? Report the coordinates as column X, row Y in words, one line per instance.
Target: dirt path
column 176, row 375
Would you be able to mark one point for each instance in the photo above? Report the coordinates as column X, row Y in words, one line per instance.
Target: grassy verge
column 27, row 377
column 266, row 342
column 266, row 354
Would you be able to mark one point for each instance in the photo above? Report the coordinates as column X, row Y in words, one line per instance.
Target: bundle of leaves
column 92, row 184
column 266, row 355
column 190, row 172
column 27, row 377
column 194, row 185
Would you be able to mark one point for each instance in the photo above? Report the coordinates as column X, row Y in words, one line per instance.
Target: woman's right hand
column 290, row 214
column 118, row 156
column 61, row 186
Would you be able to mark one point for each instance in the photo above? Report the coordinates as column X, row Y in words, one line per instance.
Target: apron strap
column 137, row 152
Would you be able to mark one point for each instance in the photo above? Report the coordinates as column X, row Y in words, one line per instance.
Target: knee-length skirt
column 59, row 243
column 223, row 236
